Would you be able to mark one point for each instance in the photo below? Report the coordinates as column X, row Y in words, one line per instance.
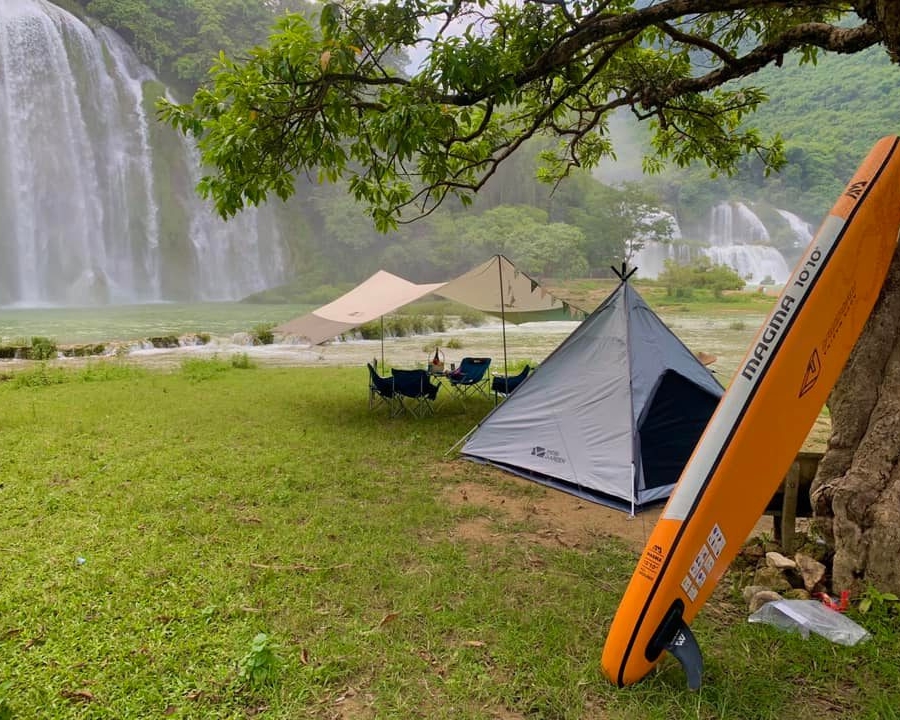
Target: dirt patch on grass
column 505, row 505
column 543, row 516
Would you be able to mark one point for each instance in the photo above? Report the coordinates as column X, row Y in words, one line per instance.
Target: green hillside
column 829, row 115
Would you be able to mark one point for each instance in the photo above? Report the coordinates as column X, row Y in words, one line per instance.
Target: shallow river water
column 726, row 338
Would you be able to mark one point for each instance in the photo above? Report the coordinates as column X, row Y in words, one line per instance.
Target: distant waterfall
column 91, row 211
column 735, row 236
column 738, row 238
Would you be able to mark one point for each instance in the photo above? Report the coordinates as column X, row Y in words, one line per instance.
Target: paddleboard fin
column 674, row 636
column 685, row 649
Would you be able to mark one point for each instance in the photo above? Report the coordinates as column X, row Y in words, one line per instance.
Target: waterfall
column 739, row 239
column 803, row 231
column 734, row 236
column 93, row 211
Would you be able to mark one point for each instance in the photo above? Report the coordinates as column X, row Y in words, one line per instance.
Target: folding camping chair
column 381, row 391
column 470, row 377
column 414, row 391
column 504, row 385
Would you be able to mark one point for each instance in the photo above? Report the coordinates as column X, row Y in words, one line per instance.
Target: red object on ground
column 833, row 603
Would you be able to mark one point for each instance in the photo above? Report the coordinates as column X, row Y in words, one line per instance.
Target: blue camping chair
column 470, row 377
column 381, row 391
column 504, row 385
column 414, row 392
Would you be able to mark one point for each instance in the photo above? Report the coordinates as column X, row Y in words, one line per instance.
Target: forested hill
column 829, row 114
column 180, row 39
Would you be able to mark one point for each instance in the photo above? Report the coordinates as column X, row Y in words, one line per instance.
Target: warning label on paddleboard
column 703, row 563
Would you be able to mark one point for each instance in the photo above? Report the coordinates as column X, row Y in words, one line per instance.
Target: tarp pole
column 503, row 322
column 382, row 344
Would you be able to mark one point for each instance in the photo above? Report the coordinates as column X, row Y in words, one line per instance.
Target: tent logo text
column 547, row 454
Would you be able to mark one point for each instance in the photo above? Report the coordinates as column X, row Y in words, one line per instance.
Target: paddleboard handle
column 675, row 636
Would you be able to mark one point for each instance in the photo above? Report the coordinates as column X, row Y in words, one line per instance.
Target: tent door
column 670, row 427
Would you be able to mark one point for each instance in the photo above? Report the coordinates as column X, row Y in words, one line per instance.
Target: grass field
column 230, row 542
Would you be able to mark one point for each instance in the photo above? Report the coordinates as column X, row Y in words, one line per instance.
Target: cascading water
column 735, row 237
column 91, row 211
column 739, row 239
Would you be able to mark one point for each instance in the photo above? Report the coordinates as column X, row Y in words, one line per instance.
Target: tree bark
column 856, row 492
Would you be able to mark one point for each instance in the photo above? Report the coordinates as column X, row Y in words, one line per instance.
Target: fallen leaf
column 389, row 618
column 474, row 643
column 79, row 695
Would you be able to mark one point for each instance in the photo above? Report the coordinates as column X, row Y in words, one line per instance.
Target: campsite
column 208, row 538
column 320, row 398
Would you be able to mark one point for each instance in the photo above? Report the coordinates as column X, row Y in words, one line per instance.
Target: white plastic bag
column 808, row 616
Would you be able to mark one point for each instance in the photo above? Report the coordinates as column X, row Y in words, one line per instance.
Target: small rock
column 763, row 597
column 751, row 590
column 812, row 571
column 771, row 578
column 777, row 560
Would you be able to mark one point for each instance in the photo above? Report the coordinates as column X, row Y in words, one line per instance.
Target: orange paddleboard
column 760, row 424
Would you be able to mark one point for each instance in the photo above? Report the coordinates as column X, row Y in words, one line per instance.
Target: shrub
column 737, row 325
column 42, row 348
column 103, row 371
column 262, row 334
column 681, row 280
column 454, row 344
column 242, row 361
column 438, row 323
column 41, row 376
column 399, row 326
column 258, row 667
column 472, row 317
column 370, row 330
column 197, row 369
column 417, row 324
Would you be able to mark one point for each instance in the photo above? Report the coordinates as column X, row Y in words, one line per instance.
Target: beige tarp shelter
column 496, row 287
column 375, row 297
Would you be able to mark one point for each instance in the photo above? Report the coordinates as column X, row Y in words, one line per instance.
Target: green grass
column 155, row 525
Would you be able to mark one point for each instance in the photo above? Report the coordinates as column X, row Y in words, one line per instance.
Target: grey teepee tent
column 612, row 415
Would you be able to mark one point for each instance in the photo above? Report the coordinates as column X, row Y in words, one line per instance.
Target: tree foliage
column 180, row 39
column 326, row 99
column 681, row 280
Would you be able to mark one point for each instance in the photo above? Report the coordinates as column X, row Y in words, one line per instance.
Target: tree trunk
column 856, row 492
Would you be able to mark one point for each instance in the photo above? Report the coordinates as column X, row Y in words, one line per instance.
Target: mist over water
column 93, row 211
